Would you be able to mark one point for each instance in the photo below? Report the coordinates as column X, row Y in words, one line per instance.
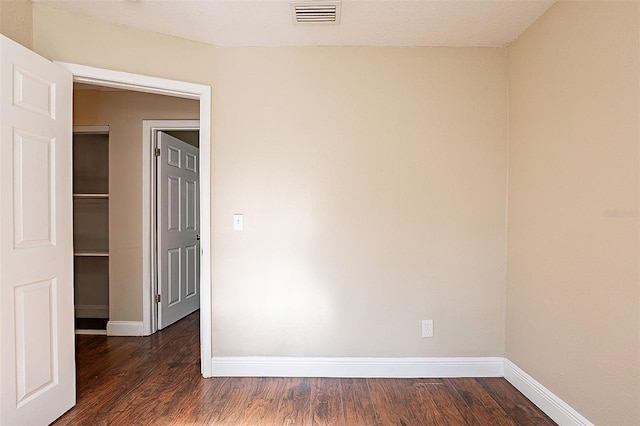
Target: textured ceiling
column 363, row 22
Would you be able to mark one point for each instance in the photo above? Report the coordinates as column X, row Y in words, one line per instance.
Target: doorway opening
column 145, row 84
column 163, row 302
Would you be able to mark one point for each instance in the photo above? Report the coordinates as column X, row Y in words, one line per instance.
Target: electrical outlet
column 427, row 328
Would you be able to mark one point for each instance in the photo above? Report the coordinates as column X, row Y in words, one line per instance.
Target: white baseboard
column 124, row 328
column 356, row 367
column 546, row 400
column 92, row 311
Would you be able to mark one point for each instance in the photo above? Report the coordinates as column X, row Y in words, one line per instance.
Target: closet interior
column 91, row 228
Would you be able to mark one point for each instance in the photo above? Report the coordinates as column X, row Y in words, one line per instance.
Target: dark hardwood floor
column 156, row 380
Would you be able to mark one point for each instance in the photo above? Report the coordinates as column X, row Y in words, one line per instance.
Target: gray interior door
column 178, row 209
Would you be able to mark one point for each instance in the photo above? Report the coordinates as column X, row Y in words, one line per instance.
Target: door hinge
column 158, row 298
column 157, row 152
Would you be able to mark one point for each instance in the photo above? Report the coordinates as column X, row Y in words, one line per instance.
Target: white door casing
column 179, row 227
column 202, row 93
column 37, row 360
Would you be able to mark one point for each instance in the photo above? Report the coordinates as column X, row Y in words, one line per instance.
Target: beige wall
column 372, row 181
column 573, row 319
column 124, row 112
column 16, row 21
column 70, row 37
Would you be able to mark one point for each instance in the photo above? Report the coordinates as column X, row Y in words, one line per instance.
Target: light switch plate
column 238, row 222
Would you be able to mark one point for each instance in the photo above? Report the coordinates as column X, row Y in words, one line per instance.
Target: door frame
column 180, row 89
column 150, row 129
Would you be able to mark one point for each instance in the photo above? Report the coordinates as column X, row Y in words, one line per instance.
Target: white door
column 179, row 225
column 37, row 360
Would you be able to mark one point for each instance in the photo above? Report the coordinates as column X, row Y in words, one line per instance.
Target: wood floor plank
column 269, row 387
column 103, row 399
column 476, row 405
column 165, row 391
column 262, row 408
column 231, row 411
column 260, row 412
column 518, row 407
column 445, row 400
column 397, row 402
column 295, row 406
column 326, row 403
column 425, row 406
column 204, row 402
column 358, row 407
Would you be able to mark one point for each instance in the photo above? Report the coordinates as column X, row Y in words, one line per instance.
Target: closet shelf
column 91, row 254
column 90, row 195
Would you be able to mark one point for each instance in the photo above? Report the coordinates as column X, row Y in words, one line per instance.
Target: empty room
column 410, row 212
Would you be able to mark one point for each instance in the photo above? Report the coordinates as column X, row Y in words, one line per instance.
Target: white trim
column 124, row 328
column 356, row 367
column 546, row 400
column 135, row 82
column 92, row 311
column 161, row 86
column 149, row 133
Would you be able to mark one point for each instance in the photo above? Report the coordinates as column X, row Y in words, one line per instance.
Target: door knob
column 198, row 237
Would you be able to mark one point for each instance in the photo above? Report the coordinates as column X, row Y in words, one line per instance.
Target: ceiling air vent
column 316, row 12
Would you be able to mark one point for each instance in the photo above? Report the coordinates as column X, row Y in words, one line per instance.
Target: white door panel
column 34, row 190
column 174, row 277
column 179, row 225
column 191, row 270
column 37, row 360
column 191, row 213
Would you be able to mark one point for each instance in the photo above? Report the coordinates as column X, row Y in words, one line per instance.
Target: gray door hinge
column 157, row 152
column 158, row 298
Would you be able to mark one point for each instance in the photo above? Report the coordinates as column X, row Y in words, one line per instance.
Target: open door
column 178, row 212
column 37, row 360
